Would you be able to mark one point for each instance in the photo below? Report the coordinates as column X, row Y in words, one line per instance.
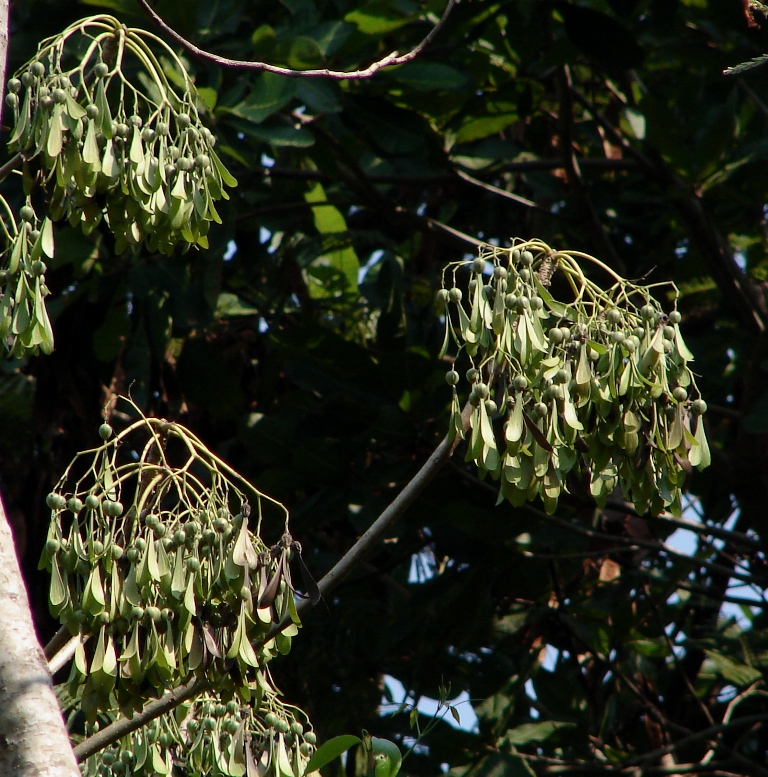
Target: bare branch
column 390, row 60
column 123, row 726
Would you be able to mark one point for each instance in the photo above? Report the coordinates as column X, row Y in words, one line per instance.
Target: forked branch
column 392, row 59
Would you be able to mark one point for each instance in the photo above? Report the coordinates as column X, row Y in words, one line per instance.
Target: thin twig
column 62, row 657
column 390, row 60
column 698, row 736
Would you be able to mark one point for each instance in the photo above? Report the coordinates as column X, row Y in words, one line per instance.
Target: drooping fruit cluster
column 154, row 553
column 210, row 736
column 24, row 323
column 95, row 137
column 598, row 386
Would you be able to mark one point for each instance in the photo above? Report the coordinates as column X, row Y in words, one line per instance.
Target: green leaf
column 738, row 674
column 535, row 732
column 476, row 127
column 376, row 18
column 331, row 750
column 270, row 93
column 429, row 76
column 329, row 221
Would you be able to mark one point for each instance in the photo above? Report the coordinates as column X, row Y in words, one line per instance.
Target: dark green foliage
column 329, row 395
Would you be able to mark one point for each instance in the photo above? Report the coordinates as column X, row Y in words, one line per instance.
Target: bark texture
column 33, row 738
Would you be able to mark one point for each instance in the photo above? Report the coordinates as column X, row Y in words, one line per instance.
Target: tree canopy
column 300, row 340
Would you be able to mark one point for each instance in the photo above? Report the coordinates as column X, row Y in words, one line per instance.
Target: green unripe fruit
column 618, row 337
column 556, row 335
column 537, row 303
column 675, row 317
column 455, row 295
column 680, row 394
column 478, row 265
column 270, row 720
column 141, row 544
column 220, row 710
column 74, row 505
column 162, row 129
column 669, row 332
column 500, row 272
column 100, row 69
column 613, row 316
column 37, row 69
column 55, row 501
column 297, row 728
column 192, row 563
column 699, row 407
column 209, row 724
column 136, row 121
column 526, row 259
column 442, row 296
column 178, row 537
column 452, row 377
column 510, row 301
column 473, row 375
column 52, row 546
column 648, row 312
column 27, row 213
column 561, row 376
column 11, row 100
column 147, row 134
column 191, row 528
column 310, row 737
column 490, row 407
column 159, row 530
column 305, row 748
column 540, row 410
column 520, row 383
column 92, row 502
column 630, row 345
column 481, row 390
column 132, row 554
column 525, row 274
column 59, row 96
column 92, row 111
column 98, row 547
column 108, row 758
column 117, row 552
column 153, row 613
column 112, row 509
column 232, row 708
column 282, row 726
column 202, row 161
column 28, row 79
column 126, row 757
column 220, row 525
column 38, row 268
column 183, row 120
column 105, row 431
column 14, row 85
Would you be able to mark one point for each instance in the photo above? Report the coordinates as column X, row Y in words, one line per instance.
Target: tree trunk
column 33, row 738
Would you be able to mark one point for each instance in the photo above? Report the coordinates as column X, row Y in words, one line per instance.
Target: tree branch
column 33, row 738
column 698, row 736
column 390, row 60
